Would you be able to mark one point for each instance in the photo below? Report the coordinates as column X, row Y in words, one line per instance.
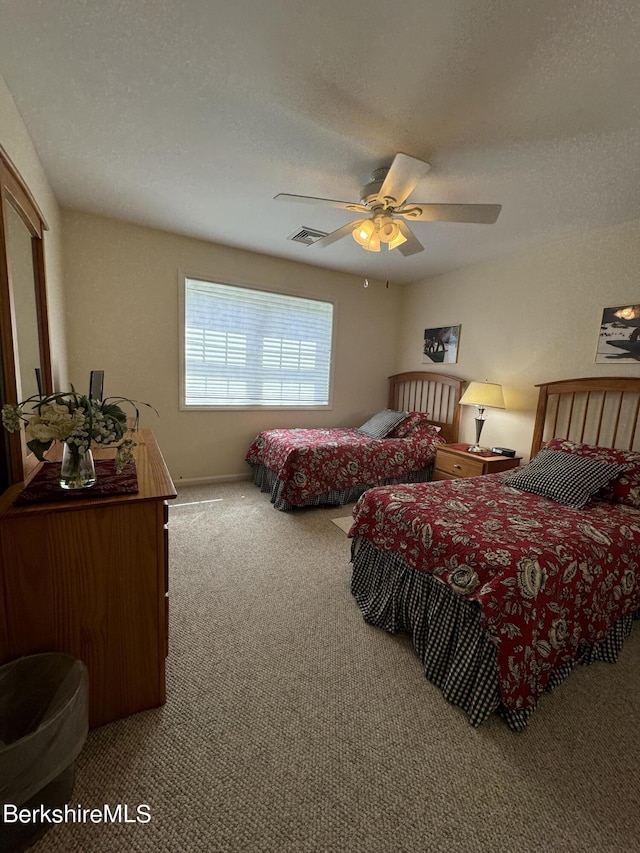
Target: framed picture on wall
column 440, row 345
column 619, row 338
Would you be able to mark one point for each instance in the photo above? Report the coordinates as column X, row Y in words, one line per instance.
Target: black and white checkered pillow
column 563, row 477
column 380, row 425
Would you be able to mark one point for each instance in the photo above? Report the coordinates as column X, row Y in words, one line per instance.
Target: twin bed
column 320, row 467
column 503, row 588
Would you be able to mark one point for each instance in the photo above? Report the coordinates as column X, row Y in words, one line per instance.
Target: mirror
column 23, row 292
column 24, row 330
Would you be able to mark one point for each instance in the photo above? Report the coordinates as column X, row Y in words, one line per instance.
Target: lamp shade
column 483, row 394
column 362, row 231
column 398, row 240
column 388, row 229
column 365, row 233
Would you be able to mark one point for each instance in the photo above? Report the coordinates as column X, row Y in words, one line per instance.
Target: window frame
column 183, row 275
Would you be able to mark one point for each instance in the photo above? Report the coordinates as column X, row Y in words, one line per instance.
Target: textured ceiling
column 190, row 116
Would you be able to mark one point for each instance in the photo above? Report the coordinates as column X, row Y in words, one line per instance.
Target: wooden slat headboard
column 602, row 411
column 433, row 393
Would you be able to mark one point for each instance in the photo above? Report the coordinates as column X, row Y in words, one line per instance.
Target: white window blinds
column 246, row 347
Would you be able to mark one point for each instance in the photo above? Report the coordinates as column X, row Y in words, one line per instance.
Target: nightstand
column 454, row 460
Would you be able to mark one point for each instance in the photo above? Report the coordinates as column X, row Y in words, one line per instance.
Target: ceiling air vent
column 307, row 236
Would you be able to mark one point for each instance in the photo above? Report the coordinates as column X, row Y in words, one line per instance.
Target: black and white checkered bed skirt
column 457, row 657
column 268, row 481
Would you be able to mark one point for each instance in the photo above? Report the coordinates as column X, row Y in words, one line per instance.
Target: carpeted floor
column 291, row 725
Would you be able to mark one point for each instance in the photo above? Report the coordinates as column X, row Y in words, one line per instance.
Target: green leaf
column 39, row 447
column 113, row 411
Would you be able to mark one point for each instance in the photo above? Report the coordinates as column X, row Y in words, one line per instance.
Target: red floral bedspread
column 547, row 578
column 313, row 461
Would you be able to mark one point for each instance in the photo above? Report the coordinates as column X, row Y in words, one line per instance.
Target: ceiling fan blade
column 402, row 178
column 412, row 245
column 307, row 199
column 484, row 214
column 338, row 234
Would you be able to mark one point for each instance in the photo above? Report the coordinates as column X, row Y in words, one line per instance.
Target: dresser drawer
column 448, row 465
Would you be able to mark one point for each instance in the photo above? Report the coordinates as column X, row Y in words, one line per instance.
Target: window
column 246, row 347
column 215, row 347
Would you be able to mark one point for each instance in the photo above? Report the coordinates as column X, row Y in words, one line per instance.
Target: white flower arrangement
column 77, row 420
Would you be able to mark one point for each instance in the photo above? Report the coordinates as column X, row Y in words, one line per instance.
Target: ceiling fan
column 384, row 200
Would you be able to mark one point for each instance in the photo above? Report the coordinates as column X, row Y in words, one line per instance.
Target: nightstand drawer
column 458, row 466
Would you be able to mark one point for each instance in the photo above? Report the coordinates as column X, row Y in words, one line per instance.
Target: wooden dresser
column 89, row 577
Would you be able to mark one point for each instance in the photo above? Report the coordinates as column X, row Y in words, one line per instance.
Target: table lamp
column 482, row 395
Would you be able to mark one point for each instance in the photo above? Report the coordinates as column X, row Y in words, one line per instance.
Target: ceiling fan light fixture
column 374, row 243
column 362, row 231
column 398, row 240
column 365, row 234
column 370, row 233
column 388, row 230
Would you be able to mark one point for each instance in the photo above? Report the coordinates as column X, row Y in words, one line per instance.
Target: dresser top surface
column 154, row 483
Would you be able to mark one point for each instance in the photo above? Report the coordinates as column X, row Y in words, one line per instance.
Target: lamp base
column 479, row 424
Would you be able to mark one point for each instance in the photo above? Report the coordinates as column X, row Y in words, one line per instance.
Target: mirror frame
column 14, row 191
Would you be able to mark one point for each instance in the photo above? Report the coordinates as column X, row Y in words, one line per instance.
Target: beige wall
column 122, row 295
column 18, row 145
column 527, row 318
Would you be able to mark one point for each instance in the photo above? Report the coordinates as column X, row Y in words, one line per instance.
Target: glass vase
column 77, row 470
